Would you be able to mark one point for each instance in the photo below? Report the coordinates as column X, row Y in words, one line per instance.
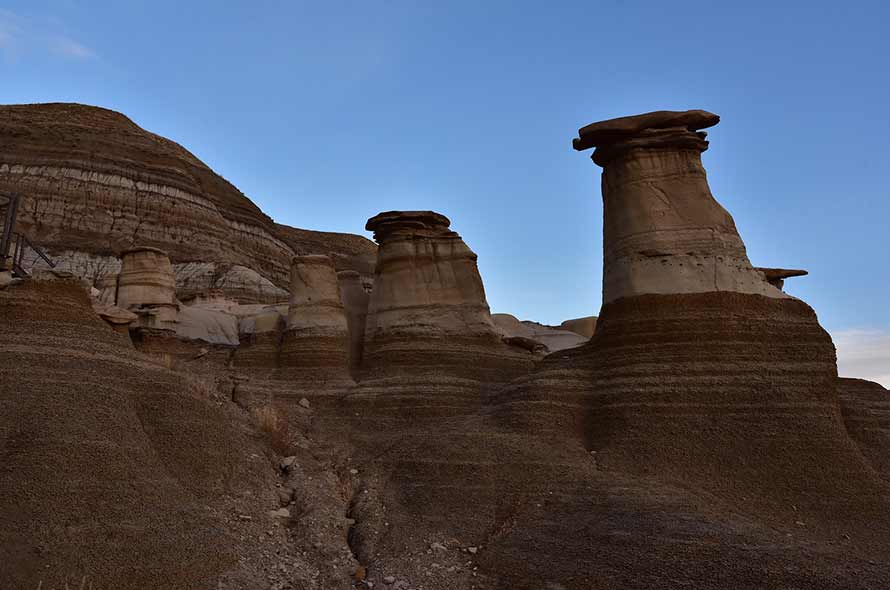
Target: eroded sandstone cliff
column 698, row 439
column 95, row 184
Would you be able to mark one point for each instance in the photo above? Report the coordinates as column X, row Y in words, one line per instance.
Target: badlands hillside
column 194, row 396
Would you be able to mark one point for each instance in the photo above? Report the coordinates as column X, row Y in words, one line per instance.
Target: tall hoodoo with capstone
column 663, row 231
column 699, row 362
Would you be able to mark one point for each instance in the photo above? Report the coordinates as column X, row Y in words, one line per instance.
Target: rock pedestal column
column 700, row 369
column 146, row 286
column 663, row 231
column 427, row 310
column 317, row 337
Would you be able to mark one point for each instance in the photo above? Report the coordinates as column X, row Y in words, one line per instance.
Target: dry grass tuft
column 273, row 422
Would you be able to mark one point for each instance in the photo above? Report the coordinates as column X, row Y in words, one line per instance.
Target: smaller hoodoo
column 427, row 311
column 146, row 286
column 316, row 342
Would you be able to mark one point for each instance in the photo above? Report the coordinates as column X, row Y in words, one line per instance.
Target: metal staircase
column 11, row 239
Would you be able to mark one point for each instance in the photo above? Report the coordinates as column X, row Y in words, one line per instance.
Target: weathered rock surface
column 260, row 331
column 585, row 326
column 237, row 282
column 554, row 339
column 96, row 184
column 207, row 325
column 663, row 231
column 355, row 298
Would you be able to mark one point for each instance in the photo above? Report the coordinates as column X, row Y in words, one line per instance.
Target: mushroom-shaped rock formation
column 700, row 371
column 663, row 231
column 428, row 309
column 355, row 303
column 317, row 336
column 146, row 287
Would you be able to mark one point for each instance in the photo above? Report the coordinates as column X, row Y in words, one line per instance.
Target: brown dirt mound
column 866, row 409
column 113, row 469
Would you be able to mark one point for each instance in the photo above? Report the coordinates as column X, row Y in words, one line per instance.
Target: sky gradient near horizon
column 326, row 113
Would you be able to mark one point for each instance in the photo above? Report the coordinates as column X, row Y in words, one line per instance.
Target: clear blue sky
column 325, row 113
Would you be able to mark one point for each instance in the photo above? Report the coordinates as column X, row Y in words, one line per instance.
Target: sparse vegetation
column 273, row 423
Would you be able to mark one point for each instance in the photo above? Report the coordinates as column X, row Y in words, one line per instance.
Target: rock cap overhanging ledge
column 614, row 130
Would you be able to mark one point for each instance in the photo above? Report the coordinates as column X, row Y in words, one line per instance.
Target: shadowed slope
column 112, row 468
column 866, row 409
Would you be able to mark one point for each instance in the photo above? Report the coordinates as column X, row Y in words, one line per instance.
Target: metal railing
column 9, row 238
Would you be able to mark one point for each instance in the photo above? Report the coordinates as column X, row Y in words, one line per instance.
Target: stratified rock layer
column 866, row 410
column 96, row 184
column 700, row 424
column 153, row 472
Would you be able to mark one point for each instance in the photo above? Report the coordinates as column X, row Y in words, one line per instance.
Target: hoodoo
column 699, row 363
column 317, row 338
column 427, row 309
column 663, row 231
column 146, row 286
